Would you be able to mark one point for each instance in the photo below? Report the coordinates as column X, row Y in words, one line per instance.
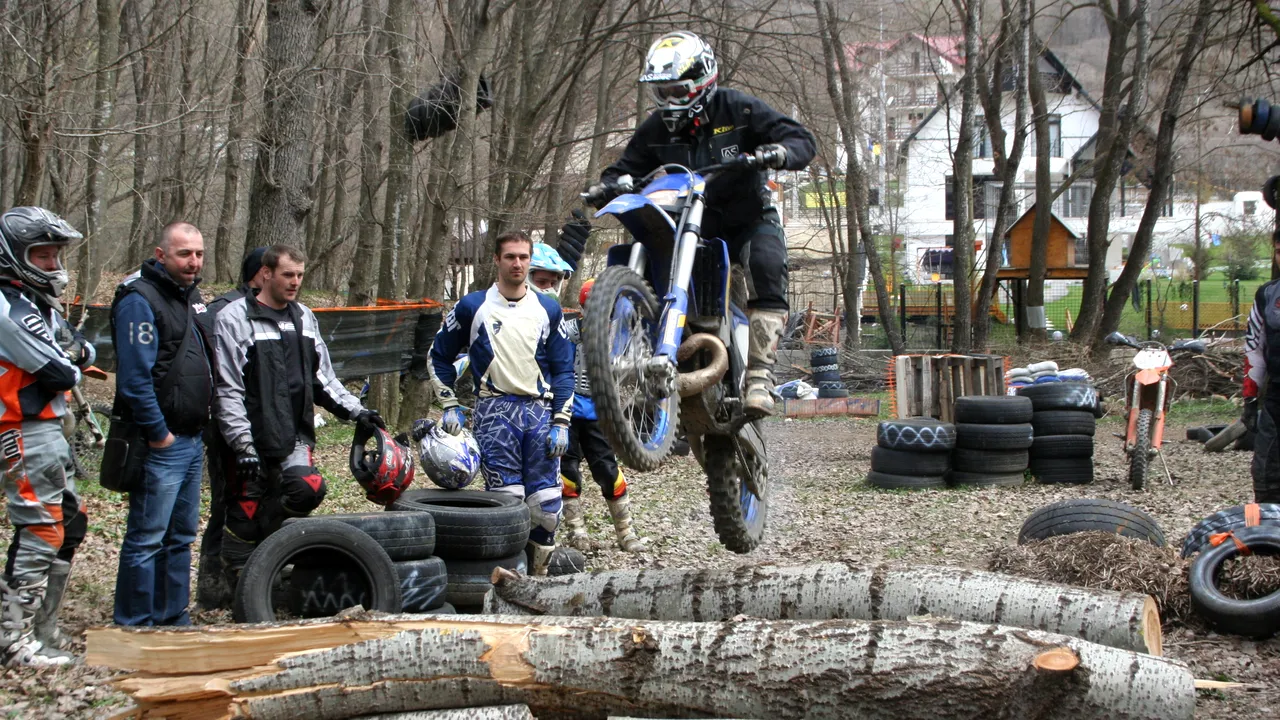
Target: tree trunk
column 104, row 94
column 228, row 252
column 1033, row 304
column 1006, row 166
column 497, row 712
column 1128, row 621
column 962, row 191
column 281, row 200
column 593, row 667
column 1162, row 174
column 141, row 71
column 364, row 271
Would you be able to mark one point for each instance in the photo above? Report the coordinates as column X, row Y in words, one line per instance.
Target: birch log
column 594, row 667
column 1130, row 621
column 501, row 712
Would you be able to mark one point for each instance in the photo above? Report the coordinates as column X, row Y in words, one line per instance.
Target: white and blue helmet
column 545, row 257
column 451, row 461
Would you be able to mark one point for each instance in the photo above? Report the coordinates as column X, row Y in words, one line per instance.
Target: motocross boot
column 620, row 509
column 575, row 522
column 18, row 644
column 46, row 620
column 762, row 355
column 539, row 558
column 553, row 560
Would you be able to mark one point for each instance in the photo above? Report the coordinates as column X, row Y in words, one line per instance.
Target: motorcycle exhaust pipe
column 694, row 382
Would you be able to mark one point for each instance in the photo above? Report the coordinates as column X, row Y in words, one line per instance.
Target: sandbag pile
column 1064, row 423
column 993, row 433
column 825, row 363
column 1043, row 373
column 912, row 454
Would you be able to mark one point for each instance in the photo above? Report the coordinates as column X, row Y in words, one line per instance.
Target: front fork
column 1157, row 421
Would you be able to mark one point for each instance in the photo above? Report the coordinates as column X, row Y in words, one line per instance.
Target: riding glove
column 369, row 419
column 1250, row 415
column 557, row 440
column 771, row 156
column 573, row 239
column 247, row 465
column 453, row 420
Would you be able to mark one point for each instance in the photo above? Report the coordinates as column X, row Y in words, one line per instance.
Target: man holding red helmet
column 272, row 368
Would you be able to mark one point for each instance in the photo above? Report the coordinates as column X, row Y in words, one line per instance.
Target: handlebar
column 1118, row 338
column 598, row 195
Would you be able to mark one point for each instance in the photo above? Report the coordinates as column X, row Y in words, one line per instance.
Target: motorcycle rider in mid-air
column 698, row 124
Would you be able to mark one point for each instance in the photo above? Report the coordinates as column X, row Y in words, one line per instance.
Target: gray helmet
column 451, row 461
column 680, row 70
column 23, row 228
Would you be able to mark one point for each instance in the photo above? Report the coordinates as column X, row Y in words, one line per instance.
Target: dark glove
column 573, row 239
column 247, row 466
column 420, row 428
column 1250, row 414
column 771, row 156
column 370, row 419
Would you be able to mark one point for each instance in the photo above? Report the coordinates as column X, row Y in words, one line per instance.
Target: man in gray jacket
column 272, row 369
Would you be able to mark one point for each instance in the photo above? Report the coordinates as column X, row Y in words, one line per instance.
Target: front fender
column 641, row 217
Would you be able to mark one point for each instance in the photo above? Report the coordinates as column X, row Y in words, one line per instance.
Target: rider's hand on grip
column 771, row 156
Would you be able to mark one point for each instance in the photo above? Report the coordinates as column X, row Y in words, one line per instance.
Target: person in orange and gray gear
column 40, row 359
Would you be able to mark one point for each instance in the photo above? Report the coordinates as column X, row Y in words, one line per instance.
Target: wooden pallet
column 822, row 407
column 928, row 385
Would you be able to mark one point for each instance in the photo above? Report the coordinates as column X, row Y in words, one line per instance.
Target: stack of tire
column 476, row 532
column 318, row 566
column 825, row 363
column 1219, row 538
column 993, row 433
column 1064, row 422
column 912, row 454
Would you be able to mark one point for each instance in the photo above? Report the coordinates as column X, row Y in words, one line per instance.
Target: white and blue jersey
column 516, row 347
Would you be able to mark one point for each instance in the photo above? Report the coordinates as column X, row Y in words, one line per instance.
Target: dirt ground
column 820, row 509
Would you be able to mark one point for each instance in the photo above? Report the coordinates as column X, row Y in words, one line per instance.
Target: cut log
column 594, row 667
column 500, row 712
column 1130, row 621
column 1219, row 442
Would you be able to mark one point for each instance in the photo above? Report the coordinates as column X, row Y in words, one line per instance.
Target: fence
column 924, row 314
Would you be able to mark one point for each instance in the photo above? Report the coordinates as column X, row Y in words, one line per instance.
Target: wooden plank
column 1217, row 685
column 926, row 391
column 826, row 407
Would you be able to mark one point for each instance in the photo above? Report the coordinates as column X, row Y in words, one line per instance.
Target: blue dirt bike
column 665, row 342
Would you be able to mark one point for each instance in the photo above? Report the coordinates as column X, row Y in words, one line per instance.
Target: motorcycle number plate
column 1152, row 359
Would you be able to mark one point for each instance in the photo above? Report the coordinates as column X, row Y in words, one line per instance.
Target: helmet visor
column 673, row 91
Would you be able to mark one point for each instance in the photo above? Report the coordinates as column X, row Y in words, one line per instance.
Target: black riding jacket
column 733, row 123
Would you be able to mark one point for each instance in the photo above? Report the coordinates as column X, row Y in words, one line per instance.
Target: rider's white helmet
column 680, row 70
column 451, row 461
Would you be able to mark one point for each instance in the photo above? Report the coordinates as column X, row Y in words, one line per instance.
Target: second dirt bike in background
column 1148, row 393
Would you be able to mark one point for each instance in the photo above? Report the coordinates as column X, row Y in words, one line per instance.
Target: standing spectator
column 522, row 363
column 157, row 334
column 212, row 590
column 1261, row 368
column 39, row 355
column 273, row 368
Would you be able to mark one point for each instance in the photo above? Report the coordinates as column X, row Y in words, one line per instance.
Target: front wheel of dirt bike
column 738, row 514
column 620, row 324
column 1140, row 460
column 86, row 453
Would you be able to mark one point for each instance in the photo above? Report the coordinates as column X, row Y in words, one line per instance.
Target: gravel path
column 820, row 509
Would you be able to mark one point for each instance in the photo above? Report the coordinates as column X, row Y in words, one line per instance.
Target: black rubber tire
column 975, row 436
column 1228, row 520
column 323, row 589
column 1140, row 457
column 1063, row 396
column 471, row 524
column 977, row 479
column 301, row 542
column 1258, row 618
column 991, row 462
column 468, row 580
column 1090, row 515
column 903, row 462
column 993, row 409
column 631, row 449
column 1062, row 471
column 405, row 536
column 831, row 385
column 889, row 481
column 820, row 379
column 1202, row 433
column 916, row 434
column 825, row 368
column 819, row 356
column 1055, row 447
column 1064, row 422
column 86, row 458
column 739, row 528
column 827, row 393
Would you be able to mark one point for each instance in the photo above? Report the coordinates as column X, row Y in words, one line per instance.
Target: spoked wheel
column 86, row 453
column 739, row 515
column 1140, row 460
column 638, row 414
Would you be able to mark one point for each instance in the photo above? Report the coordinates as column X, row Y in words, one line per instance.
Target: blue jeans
column 153, row 586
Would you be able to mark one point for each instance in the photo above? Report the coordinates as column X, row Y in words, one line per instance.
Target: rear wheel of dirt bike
column 1140, row 460
column 739, row 515
column 86, row 455
column 619, row 326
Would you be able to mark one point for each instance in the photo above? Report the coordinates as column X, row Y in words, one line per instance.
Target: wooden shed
column 1066, row 259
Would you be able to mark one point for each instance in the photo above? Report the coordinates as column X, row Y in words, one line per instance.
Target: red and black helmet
column 386, row 469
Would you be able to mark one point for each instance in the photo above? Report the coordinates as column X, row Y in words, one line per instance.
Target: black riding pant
column 586, row 440
column 761, row 247
column 287, row 487
column 1266, row 455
